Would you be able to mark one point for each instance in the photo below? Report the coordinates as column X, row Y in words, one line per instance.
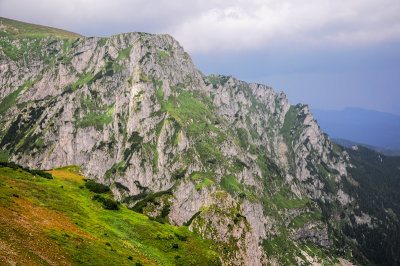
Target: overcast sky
column 326, row 53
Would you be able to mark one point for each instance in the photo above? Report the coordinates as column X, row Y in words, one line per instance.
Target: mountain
column 233, row 162
column 349, row 144
column 362, row 126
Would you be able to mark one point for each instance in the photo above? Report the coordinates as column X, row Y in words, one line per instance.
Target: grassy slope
column 55, row 221
column 14, row 28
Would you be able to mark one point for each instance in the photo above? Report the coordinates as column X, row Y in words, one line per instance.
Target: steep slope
column 233, row 161
column 59, row 222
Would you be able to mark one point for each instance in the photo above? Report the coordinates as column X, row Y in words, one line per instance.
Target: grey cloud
column 203, row 26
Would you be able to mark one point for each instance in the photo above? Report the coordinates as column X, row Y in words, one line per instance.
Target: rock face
column 221, row 220
column 240, row 164
column 310, row 232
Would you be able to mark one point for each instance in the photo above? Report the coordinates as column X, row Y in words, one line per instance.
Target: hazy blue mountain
column 362, row 126
column 348, row 144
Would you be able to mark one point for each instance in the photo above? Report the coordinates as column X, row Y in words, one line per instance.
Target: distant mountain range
column 373, row 128
column 349, row 144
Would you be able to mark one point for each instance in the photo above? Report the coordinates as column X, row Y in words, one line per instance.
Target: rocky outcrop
column 221, row 220
column 313, row 233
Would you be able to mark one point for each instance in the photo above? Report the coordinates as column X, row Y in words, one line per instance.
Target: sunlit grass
column 62, row 211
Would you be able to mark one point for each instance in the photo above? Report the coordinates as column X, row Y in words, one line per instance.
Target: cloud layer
column 262, row 24
column 216, row 25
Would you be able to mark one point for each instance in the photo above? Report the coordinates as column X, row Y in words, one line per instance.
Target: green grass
column 282, row 248
column 11, row 98
column 116, row 168
column 205, row 183
column 86, row 233
column 230, row 184
column 98, row 120
column 162, row 54
column 285, row 199
column 202, row 180
column 301, row 220
column 187, row 110
column 71, row 168
column 124, row 53
column 4, row 155
column 18, row 29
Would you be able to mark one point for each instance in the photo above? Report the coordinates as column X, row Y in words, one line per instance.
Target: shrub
column 32, row 172
column 191, row 219
column 181, row 237
column 150, row 198
column 40, row 173
column 96, row 187
column 108, row 204
column 10, row 165
column 133, row 198
column 180, row 173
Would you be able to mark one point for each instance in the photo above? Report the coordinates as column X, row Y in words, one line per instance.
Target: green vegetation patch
column 288, row 125
column 285, row 199
column 117, row 168
column 149, row 199
column 124, row 54
column 203, row 180
column 78, row 230
column 282, row 248
column 162, row 54
column 96, row 187
column 4, row 155
column 11, row 98
column 71, row 168
column 33, row 172
column 301, row 220
column 230, row 184
column 135, row 141
column 98, row 120
column 216, row 80
column 108, row 204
